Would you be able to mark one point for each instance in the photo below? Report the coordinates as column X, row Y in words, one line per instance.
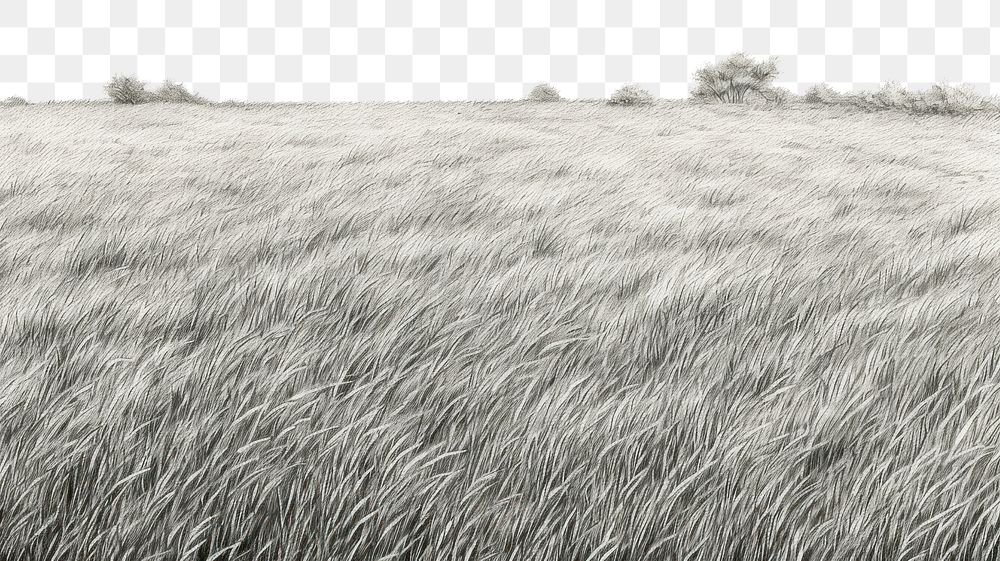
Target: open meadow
column 509, row 331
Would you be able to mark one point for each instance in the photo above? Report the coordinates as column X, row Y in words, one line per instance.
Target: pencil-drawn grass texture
column 533, row 331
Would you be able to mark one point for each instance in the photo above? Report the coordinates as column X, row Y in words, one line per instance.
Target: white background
column 295, row 50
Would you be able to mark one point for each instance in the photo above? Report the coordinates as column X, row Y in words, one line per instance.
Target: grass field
column 519, row 331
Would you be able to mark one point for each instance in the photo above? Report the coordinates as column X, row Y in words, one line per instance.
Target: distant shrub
column 939, row 99
column 127, row 90
column 731, row 79
column 172, row 92
column 770, row 97
column 630, row 94
column 544, row 92
column 779, row 96
column 822, row 93
column 963, row 99
column 15, row 100
column 892, row 95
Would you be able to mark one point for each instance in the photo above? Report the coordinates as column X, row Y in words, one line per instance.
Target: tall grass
column 328, row 332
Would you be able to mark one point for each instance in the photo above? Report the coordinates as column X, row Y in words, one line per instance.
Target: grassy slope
column 557, row 331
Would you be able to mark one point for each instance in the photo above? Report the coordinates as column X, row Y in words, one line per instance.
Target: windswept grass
column 498, row 331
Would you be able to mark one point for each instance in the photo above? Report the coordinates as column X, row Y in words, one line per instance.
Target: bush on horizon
column 770, row 98
column 823, row 93
column 631, row 95
column 941, row 99
column 544, row 92
column 734, row 77
column 173, row 92
column 127, row 90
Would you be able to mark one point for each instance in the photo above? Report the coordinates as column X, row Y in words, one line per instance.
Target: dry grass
column 497, row 331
